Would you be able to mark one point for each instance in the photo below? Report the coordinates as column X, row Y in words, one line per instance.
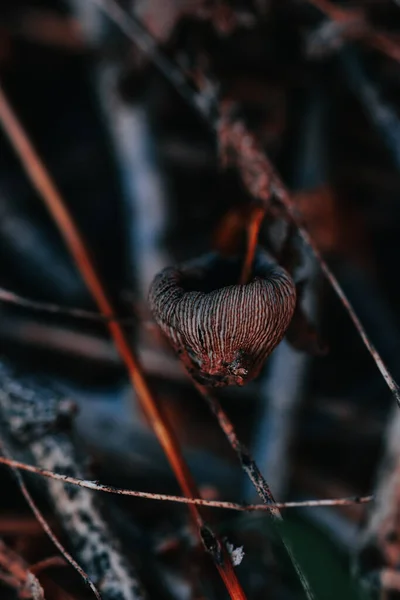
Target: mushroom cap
column 223, row 331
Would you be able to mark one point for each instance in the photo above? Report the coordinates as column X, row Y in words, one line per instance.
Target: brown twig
column 41, row 180
column 99, row 487
column 253, row 230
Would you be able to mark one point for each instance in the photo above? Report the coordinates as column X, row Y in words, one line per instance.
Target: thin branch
column 78, row 313
column 99, row 487
column 280, row 395
column 260, row 184
column 47, row 529
column 234, row 135
column 32, row 412
column 252, row 471
column 284, row 196
column 138, row 34
column 47, row 190
column 47, row 563
column 261, row 181
column 253, row 230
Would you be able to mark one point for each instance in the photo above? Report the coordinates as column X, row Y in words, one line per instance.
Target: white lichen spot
column 236, row 554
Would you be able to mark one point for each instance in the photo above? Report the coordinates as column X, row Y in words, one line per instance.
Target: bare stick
column 108, row 489
column 74, row 241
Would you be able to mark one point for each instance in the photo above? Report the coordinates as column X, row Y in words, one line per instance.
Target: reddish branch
column 253, row 230
column 260, row 179
column 47, row 190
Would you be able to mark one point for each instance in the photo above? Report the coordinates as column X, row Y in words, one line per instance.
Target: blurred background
column 319, row 84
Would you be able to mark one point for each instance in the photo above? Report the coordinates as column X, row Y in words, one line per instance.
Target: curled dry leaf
column 223, row 331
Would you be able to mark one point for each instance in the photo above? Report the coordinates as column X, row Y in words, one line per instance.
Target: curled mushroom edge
column 223, row 331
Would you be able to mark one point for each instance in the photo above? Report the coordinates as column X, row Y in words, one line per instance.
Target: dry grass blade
column 47, row 529
column 99, row 487
column 73, row 239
